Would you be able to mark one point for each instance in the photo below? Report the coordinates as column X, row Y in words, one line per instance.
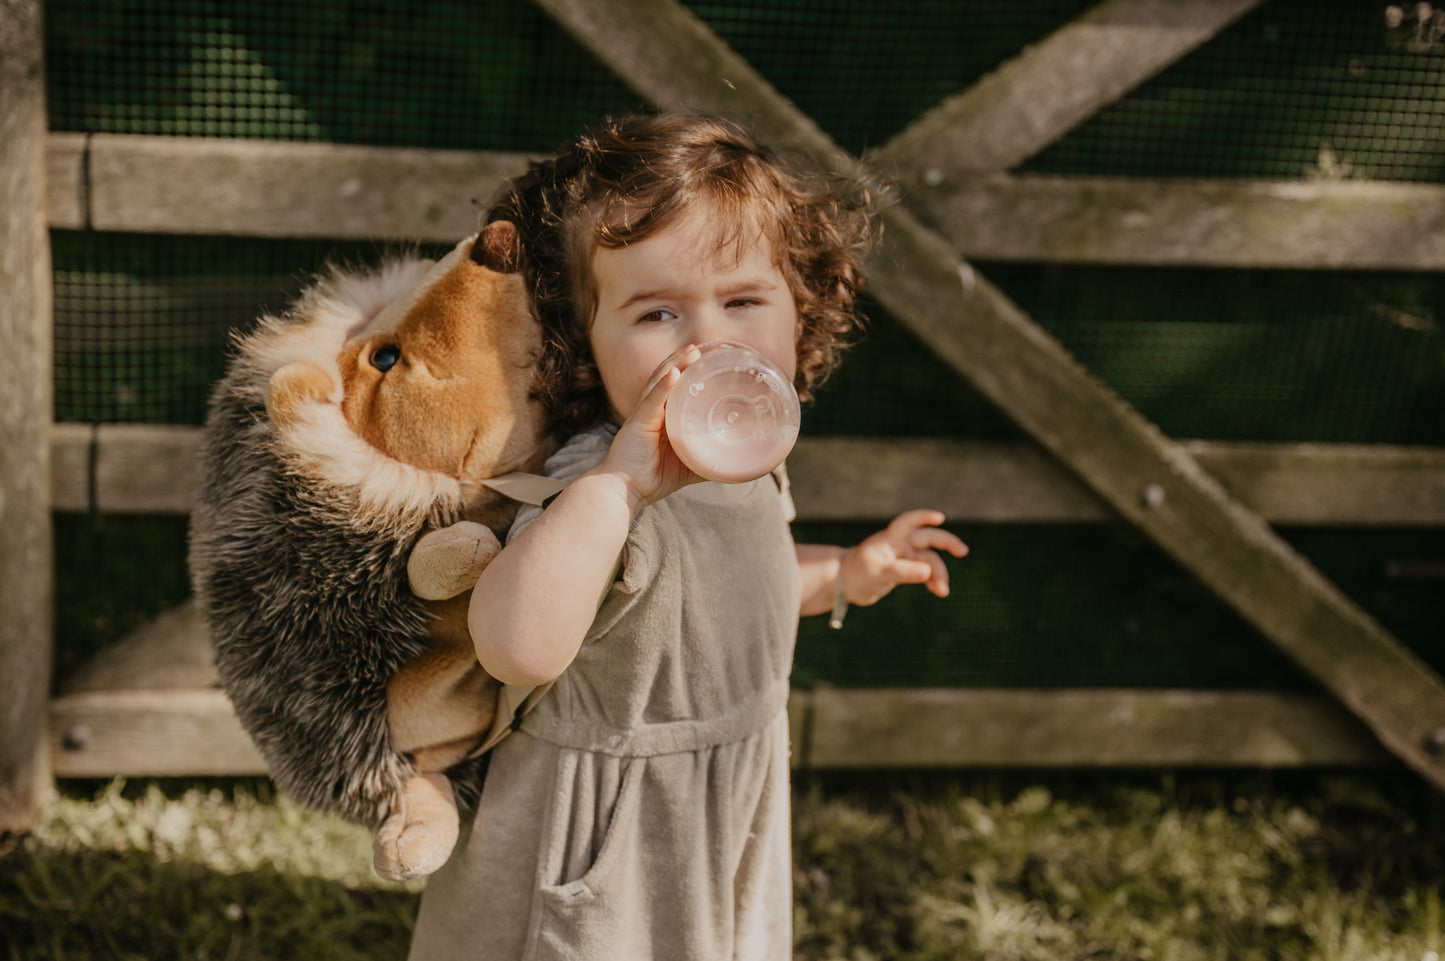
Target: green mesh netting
column 1296, row 89
column 1293, row 90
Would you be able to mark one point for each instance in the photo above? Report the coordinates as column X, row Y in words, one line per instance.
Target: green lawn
column 890, row 867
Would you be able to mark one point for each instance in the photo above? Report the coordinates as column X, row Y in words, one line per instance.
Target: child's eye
column 656, row 316
column 744, row 302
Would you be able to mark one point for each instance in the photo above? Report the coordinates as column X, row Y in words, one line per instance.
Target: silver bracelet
column 840, row 606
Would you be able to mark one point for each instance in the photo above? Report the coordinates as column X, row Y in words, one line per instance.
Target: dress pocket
column 602, row 912
column 577, row 879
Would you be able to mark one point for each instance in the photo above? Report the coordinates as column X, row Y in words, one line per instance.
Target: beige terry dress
column 642, row 810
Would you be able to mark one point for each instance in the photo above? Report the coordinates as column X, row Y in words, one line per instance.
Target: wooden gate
column 150, row 705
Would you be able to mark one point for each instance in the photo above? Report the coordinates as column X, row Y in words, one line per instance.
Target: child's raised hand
column 640, row 453
column 904, row 552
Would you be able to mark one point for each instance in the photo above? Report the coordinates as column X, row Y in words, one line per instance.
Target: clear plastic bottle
column 733, row 415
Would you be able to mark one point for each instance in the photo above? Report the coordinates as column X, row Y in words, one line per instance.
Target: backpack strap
column 514, row 702
column 525, row 488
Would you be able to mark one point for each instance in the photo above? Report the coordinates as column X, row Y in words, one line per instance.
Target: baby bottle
column 734, row 415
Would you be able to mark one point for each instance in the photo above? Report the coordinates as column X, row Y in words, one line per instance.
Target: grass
column 1002, row 868
column 234, row 872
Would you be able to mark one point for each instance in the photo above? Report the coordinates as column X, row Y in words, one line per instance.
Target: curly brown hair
column 630, row 177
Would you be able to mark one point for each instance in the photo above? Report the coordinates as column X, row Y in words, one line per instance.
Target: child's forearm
column 820, row 566
column 532, row 606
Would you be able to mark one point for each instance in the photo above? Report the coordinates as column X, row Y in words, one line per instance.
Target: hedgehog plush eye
column 384, row 358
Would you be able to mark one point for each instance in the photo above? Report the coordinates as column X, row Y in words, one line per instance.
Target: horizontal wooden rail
column 150, row 705
column 145, row 184
column 138, row 468
column 193, row 732
column 841, row 728
column 260, row 188
column 1257, row 225
column 150, row 733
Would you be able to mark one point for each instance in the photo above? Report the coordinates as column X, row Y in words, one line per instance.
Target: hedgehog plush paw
column 419, row 836
column 448, row 561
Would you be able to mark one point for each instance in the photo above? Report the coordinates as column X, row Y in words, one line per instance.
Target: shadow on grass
column 1043, row 865
column 132, row 905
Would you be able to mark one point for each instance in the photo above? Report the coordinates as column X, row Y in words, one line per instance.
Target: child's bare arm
column 532, row 606
column 904, row 552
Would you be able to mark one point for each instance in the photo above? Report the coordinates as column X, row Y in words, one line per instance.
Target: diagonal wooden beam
column 671, row 57
column 1053, row 86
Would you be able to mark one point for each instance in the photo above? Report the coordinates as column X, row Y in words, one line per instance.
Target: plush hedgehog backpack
column 361, row 453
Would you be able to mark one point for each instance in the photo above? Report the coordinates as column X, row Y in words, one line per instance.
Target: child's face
column 675, row 289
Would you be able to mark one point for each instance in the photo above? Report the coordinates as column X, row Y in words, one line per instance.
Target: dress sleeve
column 573, row 459
column 785, row 492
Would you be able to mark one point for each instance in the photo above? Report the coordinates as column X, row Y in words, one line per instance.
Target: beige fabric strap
column 531, row 489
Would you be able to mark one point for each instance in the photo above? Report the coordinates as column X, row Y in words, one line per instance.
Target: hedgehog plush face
column 462, row 380
column 434, row 387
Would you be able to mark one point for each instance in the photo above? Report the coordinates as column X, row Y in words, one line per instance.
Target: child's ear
column 293, row 385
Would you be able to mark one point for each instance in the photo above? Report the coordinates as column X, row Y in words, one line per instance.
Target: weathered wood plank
column 1052, row 86
column 260, row 188
column 25, row 410
column 846, row 478
column 1151, row 481
column 993, row 728
column 125, row 468
column 854, row 479
column 141, row 468
column 194, row 733
column 1331, row 484
column 150, row 733
column 172, row 652
column 65, row 184
column 1356, row 225
column 126, row 712
column 1293, row 484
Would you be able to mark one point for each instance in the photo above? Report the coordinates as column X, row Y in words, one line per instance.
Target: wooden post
column 25, row 413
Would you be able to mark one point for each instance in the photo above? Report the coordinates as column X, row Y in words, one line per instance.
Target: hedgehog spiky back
column 299, row 565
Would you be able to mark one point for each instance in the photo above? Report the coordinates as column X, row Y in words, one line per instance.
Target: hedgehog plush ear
column 499, row 247
column 291, row 386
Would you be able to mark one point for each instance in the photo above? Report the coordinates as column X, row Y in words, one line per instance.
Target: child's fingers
column 937, row 582
column 686, row 357
column 650, row 408
column 908, row 522
column 914, row 571
column 937, row 539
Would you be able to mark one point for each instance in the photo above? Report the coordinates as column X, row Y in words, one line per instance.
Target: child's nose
column 710, row 324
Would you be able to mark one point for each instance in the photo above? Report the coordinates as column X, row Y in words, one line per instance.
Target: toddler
column 641, row 810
